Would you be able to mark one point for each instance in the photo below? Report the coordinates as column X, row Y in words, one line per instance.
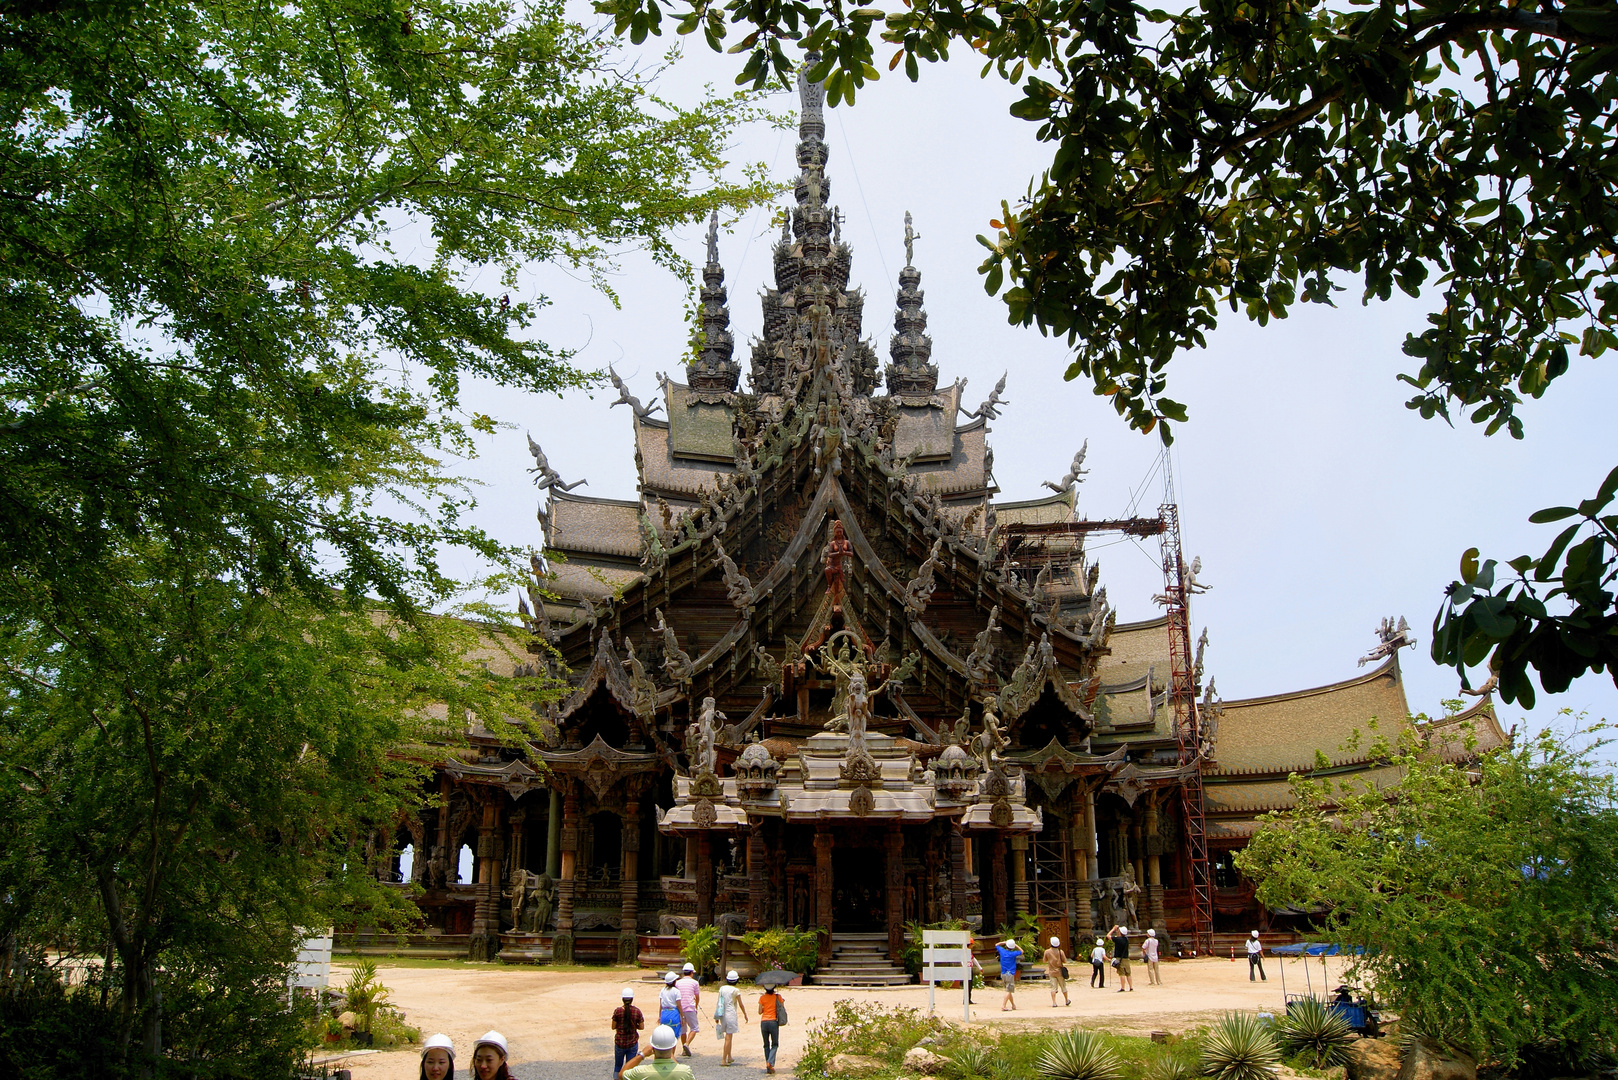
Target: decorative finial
column 812, row 96
column 910, row 241
column 713, row 239
column 837, row 224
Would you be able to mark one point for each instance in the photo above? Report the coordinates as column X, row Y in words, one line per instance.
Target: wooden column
column 823, row 890
column 1079, row 849
column 957, row 870
column 704, row 879
column 1137, row 851
column 895, row 883
column 757, row 875
column 1019, row 872
column 553, row 838
column 1154, row 872
column 629, row 884
column 997, row 852
column 486, row 915
column 562, row 943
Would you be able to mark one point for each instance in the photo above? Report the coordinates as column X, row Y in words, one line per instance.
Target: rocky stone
column 348, row 1020
column 1373, row 1059
column 853, row 1065
column 923, row 1060
column 1427, row 1060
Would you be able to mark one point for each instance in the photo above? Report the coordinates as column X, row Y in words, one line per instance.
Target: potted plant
column 365, row 993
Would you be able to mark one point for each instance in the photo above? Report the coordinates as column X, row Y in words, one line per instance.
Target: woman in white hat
column 725, row 1022
column 438, row 1058
column 668, row 1003
column 489, row 1057
column 627, row 1024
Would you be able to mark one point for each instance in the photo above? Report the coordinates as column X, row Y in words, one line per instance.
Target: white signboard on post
column 312, row 969
column 946, row 956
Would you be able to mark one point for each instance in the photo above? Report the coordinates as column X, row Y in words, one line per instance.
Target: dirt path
column 557, row 1022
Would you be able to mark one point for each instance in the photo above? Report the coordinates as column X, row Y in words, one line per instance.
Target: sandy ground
column 558, row 1023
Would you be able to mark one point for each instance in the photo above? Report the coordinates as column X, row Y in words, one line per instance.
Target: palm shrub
column 364, row 992
column 975, row 1060
column 1079, row 1055
column 700, row 947
column 1241, row 1047
column 1320, row 1033
column 1171, row 1066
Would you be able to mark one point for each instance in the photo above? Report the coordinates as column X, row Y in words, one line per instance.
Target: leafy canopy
column 1484, row 894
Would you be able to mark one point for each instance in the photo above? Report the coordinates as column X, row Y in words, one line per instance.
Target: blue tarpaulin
column 1313, row 948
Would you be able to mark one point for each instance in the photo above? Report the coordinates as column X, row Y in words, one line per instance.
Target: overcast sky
column 1317, row 502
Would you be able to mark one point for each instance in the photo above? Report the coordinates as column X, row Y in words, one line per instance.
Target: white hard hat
column 662, row 1037
column 1100, row 941
column 691, row 968
column 628, row 994
column 1255, row 933
column 491, row 1038
column 669, row 976
column 1151, row 933
column 731, row 976
column 439, row 1042
column 1055, row 942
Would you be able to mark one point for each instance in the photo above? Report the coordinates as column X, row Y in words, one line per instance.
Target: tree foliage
column 1483, row 892
column 1250, row 156
column 239, row 253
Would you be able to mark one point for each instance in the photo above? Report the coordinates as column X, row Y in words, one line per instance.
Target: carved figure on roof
column 858, row 711
column 910, row 241
column 548, row 477
column 1202, row 646
column 738, row 588
column 1041, row 587
column 1047, row 655
column 835, row 560
column 676, row 661
column 767, row 667
column 991, row 741
column 706, row 758
column 921, row 587
column 1075, row 472
column 990, row 409
column 1192, row 586
column 639, row 681
column 641, row 412
column 980, row 663
column 1392, row 637
column 653, row 557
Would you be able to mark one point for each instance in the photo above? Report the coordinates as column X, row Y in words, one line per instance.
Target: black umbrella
column 774, row 978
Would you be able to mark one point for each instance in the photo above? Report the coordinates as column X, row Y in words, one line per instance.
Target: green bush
column 1079, row 1055
column 1171, row 1066
column 867, row 1029
column 365, row 992
column 1321, row 1035
column 388, row 1028
column 1240, row 1047
column 974, row 1060
column 1024, row 929
column 786, row 948
column 700, row 947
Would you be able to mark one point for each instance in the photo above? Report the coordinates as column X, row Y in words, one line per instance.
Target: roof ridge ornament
column 713, row 371
column 910, row 374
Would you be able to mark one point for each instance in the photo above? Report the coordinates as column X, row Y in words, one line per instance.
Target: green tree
column 221, row 367
column 1483, row 889
column 1252, row 156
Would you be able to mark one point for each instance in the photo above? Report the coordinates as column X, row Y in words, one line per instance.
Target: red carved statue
column 838, row 549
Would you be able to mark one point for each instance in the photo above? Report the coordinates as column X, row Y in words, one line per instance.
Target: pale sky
column 1317, row 502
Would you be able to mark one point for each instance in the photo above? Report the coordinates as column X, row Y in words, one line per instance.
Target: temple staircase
column 861, row 960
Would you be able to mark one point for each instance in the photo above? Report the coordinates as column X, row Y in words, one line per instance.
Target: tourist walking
column 1010, row 952
column 1098, row 965
column 1120, row 958
column 1255, row 958
column 668, row 1002
column 627, row 1023
column 690, row 996
column 771, row 1011
column 975, row 969
column 1055, row 971
column 438, row 1058
column 726, row 1023
column 662, row 1066
column 489, row 1057
column 1148, row 953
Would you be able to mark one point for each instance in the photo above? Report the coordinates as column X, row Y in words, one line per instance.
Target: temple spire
column 713, row 370
column 910, row 374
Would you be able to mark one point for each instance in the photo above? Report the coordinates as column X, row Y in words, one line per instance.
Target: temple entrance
column 859, row 902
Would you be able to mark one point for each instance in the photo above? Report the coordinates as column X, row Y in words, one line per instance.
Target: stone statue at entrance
column 541, row 901
column 1130, row 890
column 858, row 711
column 991, row 742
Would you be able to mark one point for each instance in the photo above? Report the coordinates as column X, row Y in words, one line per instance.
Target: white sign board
column 312, row 969
column 946, row 956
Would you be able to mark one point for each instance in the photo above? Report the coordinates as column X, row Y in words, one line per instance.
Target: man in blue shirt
column 1010, row 952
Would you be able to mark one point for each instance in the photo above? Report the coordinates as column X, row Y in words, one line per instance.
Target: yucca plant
column 1079, row 1055
column 973, row 1060
column 1241, row 1047
column 1323, row 1034
column 1171, row 1066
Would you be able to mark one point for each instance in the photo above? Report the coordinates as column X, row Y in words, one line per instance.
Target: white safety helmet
column 669, row 977
column 663, row 1037
column 491, row 1038
column 691, row 969
column 731, row 976
column 1151, row 933
column 628, row 994
column 1255, row 933
column 1055, row 942
column 1101, row 941
column 439, row 1042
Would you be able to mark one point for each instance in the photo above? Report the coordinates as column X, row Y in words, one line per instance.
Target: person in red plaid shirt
column 626, row 1025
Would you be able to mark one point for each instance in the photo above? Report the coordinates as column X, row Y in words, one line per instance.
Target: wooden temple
column 819, row 677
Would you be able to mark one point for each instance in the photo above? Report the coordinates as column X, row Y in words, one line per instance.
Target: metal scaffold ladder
column 1187, row 724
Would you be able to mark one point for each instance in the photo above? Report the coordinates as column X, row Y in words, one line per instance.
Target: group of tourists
column 1056, row 972
column 488, row 1058
column 677, row 1025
